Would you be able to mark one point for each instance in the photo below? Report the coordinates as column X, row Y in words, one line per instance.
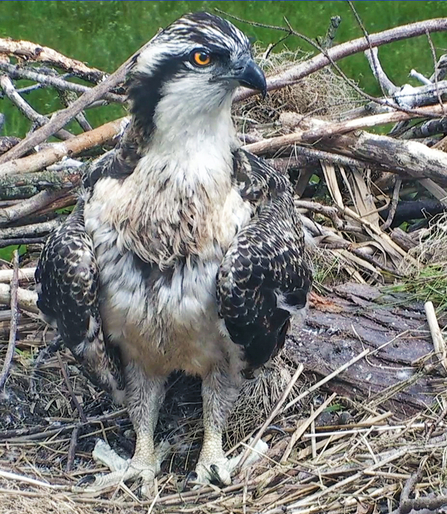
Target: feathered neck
column 181, row 183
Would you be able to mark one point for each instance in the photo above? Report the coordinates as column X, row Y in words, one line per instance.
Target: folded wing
column 265, row 277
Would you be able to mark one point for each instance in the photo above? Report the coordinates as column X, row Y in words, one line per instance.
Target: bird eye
column 201, row 58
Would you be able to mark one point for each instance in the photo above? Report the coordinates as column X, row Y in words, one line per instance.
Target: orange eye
column 201, row 58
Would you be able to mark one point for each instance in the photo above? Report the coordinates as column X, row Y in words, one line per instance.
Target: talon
column 190, row 477
column 87, row 480
column 214, row 476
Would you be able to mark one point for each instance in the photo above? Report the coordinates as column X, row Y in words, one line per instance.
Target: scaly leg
column 219, row 392
column 144, row 396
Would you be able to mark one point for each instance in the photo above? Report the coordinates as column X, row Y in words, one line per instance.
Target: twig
column 16, row 72
column 393, row 206
column 78, row 406
column 326, row 379
column 272, row 415
column 60, row 119
column 328, row 40
column 410, row 484
column 15, row 315
column 382, row 78
column 331, row 213
column 32, row 481
column 303, row 427
column 420, row 77
column 426, row 129
column 338, row 52
column 436, row 79
column 71, row 454
column 323, row 129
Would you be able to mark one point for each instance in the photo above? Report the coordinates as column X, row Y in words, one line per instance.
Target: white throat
column 191, row 144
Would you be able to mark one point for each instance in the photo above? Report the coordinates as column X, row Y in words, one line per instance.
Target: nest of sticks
column 374, row 205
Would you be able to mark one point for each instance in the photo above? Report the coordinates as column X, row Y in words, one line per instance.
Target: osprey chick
column 184, row 252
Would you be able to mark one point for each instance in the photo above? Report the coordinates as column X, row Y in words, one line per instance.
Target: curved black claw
column 215, row 477
column 87, row 480
column 190, row 477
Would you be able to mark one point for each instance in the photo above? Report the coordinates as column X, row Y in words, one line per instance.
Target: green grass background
column 104, row 34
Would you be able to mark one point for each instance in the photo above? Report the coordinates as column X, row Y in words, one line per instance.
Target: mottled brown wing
column 264, row 277
column 68, row 285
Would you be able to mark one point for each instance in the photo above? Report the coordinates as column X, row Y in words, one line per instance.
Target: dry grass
column 351, row 457
column 323, row 94
column 350, row 454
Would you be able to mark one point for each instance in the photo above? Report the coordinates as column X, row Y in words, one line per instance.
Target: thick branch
column 57, row 151
column 407, row 157
column 30, row 230
column 26, row 299
column 29, row 206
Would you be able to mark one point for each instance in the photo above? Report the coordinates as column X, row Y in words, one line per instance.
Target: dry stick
column 71, row 453
column 32, row 481
column 316, row 496
column 31, row 230
column 26, row 299
column 436, row 334
column 60, row 119
column 30, row 206
column 423, row 505
column 16, row 72
column 338, row 52
column 403, row 157
column 393, row 206
column 25, row 274
column 78, row 406
column 435, row 75
column 25, row 108
column 57, row 151
column 400, row 96
column 74, row 435
column 327, row 378
column 327, row 129
column 15, row 315
column 272, row 415
column 21, row 241
column 281, row 80
column 32, row 51
column 303, row 427
column 382, row 78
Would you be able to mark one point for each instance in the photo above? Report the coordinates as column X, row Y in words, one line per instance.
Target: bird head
column 190, row 68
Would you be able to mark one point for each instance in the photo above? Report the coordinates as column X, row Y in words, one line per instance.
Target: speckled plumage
column 184, row 252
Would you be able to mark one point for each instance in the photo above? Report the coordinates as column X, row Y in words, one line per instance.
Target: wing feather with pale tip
column 265, row 276
column 67, row 281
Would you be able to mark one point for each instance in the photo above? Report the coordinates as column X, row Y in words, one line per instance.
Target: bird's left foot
column 215, row 471
column 218, row 470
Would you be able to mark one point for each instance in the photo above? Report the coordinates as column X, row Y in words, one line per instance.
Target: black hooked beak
column 250, row 75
